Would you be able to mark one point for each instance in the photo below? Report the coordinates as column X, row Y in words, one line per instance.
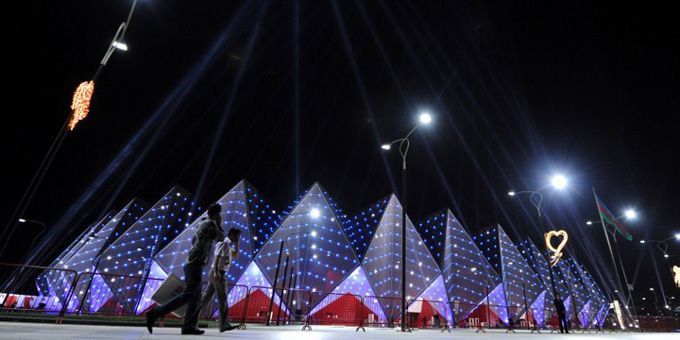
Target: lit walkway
column 24, row 330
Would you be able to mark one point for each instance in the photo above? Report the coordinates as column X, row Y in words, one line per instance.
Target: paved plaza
column 24, row 330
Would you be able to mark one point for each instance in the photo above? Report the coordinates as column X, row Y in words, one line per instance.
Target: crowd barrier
column 62, row 292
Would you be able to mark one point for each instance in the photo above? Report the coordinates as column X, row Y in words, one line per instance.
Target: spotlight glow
column 589, row 222
column 386, row 146
column 559, row 182
column 21, row 220
column 631, row 214
column 425, row 118
column 511, row 193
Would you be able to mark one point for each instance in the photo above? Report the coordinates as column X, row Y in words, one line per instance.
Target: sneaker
column 150, row 320
column 228, row 327
column 192, row 331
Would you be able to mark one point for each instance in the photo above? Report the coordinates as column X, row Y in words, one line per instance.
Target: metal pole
column 89, row 285
column 526, row 305
column 276, row 280
column 488, row 308
column 290, row 284
column 403, row 244
column 283, row 290
column 630, row 302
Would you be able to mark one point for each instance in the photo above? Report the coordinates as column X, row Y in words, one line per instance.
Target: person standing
column 225, row 253
column 561, row 314
column 207, row 232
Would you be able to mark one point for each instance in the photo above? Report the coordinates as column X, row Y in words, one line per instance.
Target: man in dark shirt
column 207, row 232
column 561, row 314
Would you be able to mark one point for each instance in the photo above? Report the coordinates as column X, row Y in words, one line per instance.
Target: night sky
column 519, row 91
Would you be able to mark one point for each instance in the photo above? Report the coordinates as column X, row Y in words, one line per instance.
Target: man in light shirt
column 225, row 253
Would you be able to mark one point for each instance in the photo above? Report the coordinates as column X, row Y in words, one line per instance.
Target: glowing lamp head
column 511, row 193
column 558, row 182
column 21, row 220
column 386, row 146
column 315, row 213
column 630, row 214
column 589, row 222
column 120, row 45
column 677, row 236
column 425, row 118
column 642, row 241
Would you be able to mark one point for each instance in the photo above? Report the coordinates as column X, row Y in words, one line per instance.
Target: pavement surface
column 44, row 331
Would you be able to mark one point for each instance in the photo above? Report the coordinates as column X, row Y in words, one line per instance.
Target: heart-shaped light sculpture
column 556, row 252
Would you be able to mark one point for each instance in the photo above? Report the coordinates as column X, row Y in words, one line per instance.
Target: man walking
column 208, row 231
column 225, row 252
column 561, row 314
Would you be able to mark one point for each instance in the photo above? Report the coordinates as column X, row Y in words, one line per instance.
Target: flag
column 609, row 219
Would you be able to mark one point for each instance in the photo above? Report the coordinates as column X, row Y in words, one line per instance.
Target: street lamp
column 630, row 214
column 558, row 182
column 43, row 225
column 423, row 119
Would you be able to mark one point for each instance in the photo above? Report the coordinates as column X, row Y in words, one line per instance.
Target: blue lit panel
column 84, row 260
column 537, row 260
column 355, row 284
column 383, row 260
column 315, row 242
column 466, row 272
column 57, row 284
column 435, row 294
column 243, row 209
column 598, row 299
column 132, row 253
column 361, row 227
column 253, row 278
column 517, row 276
column 519, row 279
column 589, row 311
column 578, row 291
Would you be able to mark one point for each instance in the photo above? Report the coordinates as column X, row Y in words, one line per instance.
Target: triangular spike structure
column 345, row 300
column 433, row 231
column 538, row 263
column 578, row 294
column 87, row 258
column 58, row 284
column 315, row 244
column 127, row 262
column 436, row 296
column 243, row 209
column 383, row 259
column 361, row 227
column 466, row 272
column 521, row 284
column 598, row 299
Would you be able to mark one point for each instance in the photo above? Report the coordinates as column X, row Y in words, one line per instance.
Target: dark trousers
column 190, row 296
column 564, row 323
column 218, row 286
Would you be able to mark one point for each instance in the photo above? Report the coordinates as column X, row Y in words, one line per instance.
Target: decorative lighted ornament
column 557, row 252
column 676, row 276
column 81, row 103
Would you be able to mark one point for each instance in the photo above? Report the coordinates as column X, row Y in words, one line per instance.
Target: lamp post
column 117, row 43
column 629, row 214
column 424, row 119
column 27, row 221
column 558, row 182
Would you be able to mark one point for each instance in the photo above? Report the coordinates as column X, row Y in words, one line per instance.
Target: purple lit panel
column 253, row 277
column 435, row 294
column 156, row 277
column 383, row 260
column 355, row 284
column 315, row 243
column 538, row 308
column 126, row 263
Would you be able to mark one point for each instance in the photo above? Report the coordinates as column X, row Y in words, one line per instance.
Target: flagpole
column 625, row 280
column 609, row 245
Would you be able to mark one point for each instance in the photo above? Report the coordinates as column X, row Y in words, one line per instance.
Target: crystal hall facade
column 332, row 257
